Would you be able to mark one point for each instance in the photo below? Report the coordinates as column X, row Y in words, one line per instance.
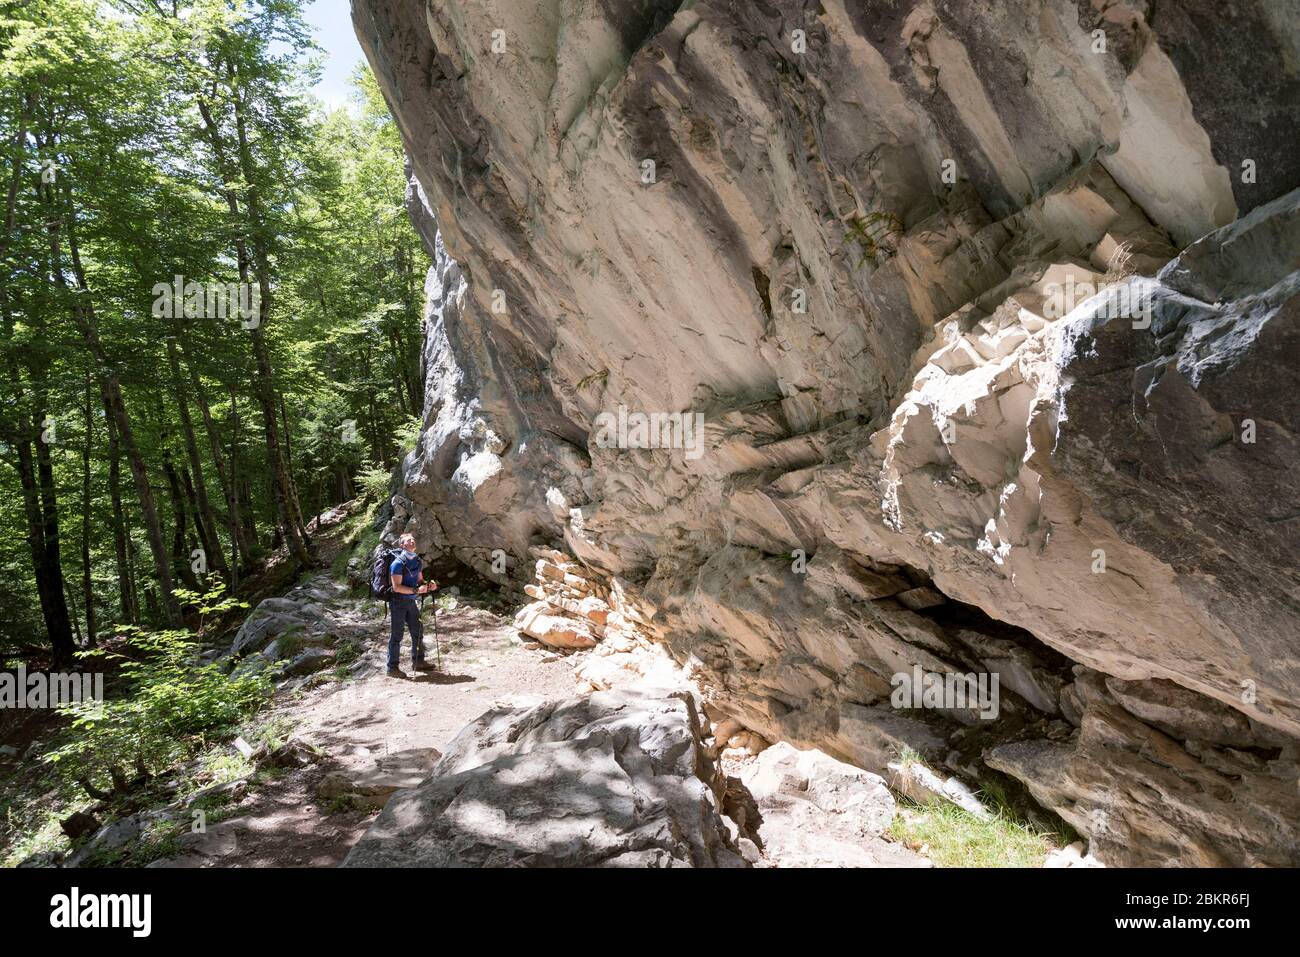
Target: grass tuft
column 953, row 837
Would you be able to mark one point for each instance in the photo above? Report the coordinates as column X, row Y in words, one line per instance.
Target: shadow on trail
column 440, row 678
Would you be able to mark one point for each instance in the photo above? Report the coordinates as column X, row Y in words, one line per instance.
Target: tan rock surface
column 871, row 267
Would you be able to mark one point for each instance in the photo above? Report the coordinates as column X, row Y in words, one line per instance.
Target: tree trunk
column 36, row 493
column 72, row 603
column 204, row 519
column 284, row 425
column 264, row 381
column 288, row 453
column 238, row 481
column 399, row 370
column 192, row 502
column 45, row 559
column 180, row 557
column 239, row 547
column 281, row 481
column 50, row 514
column 119, row 527
column 87, row 578
column 132, row 566
column 39, row 504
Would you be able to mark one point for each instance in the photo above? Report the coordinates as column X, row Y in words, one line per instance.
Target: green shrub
column 349, row 651
column 374, row 481
column 274, row 732
column 212, row 603
column 292, row 642
column 171, row 707
column 407, row 434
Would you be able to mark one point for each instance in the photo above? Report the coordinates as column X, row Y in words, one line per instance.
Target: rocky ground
column 572, row 790
column 526, row 746
column 374, row 733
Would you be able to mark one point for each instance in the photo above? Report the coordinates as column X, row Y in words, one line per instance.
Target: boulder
column 1074, row 855
column 554, row 630
column 816, row 811
column 613, row 779
column 1145, row 798
column 309, row 662
column 112, row 838
column 782, row 772
column 79, row 824
column 623, row 663
column 370, row 785
column 271, row 618
column 918, row 783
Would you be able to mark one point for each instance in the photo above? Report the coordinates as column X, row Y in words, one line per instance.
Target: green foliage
column 874, row 234
column 168, row 140
column 30, row 823
column 172, row 707
column 291, row 642
column 953, row 837
column 159, row 839
column 407, row 434
column 212, row 603
column 907, row 756
column 340, row 804
column 348, row 652
column 221, row 766
column 273, row 732
column 121, row 123
column 374, row 483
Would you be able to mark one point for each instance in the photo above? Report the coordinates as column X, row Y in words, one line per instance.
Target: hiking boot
column 396, row 673
column 424, row 666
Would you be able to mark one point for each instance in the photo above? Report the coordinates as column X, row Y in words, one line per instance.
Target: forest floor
column 366, row 721
column 352, row 719
column 369, row 722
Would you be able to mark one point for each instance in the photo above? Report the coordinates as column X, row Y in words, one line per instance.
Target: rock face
column 819, row 812
column 609, row 780
column 966, row 407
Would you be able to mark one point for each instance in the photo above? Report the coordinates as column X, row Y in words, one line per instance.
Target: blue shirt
column 409, row 570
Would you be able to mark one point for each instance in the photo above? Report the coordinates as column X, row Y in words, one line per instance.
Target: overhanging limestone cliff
column 862, row 241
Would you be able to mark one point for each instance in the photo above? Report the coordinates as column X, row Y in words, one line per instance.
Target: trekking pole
column 422, row 598
column 437, row 639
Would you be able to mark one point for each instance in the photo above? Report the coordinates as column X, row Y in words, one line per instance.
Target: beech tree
column 210, row 314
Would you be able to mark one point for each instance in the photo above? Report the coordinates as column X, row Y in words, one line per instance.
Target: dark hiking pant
column 406, row 613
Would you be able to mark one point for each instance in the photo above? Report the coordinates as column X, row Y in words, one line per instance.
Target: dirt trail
column 371, row 716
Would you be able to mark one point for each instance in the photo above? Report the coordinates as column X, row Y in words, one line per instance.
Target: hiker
column 407, row 574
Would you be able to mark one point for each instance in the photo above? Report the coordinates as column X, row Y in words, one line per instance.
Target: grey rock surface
column 873, row 265
column 819, row 812
column 608, row 780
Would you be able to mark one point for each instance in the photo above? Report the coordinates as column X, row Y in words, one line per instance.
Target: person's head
column 407, row 541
